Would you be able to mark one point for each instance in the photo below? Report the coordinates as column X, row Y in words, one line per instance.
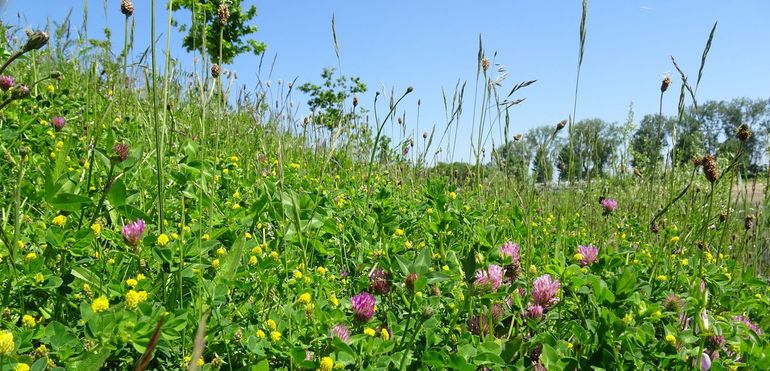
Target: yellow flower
column 97, row 228
column 445, row 268
column 247, row 235
column 257, row 250
column 275, row 336
column 384, row 334
column 260, row 334
column 28, row 321
column 236, row 206
column 327, row 364
column 671, row 339
column 175, row 236
column 274, row 255
column 335, row 302
column 294, row 165
column 134, row 298
column 59, row 220
column 226, row 171
column 205, row 237
column 429, row 211
column 162, row 240
column 271, row 325
column 31, row 256
column 321, row 270
column 369, row 331
column 408, row 244
column 570, row 346
column 675, row 239
column 221, row 251
column 452, row 195
column 252, row 260
column 234, row 159
column 6, row 343
column 39, row 277
column 662, row 278
column 684, row 262
column 215, row 263
column 21, row 367
column 297, row 274
column 399, row 232
column 577, row 257
column 100, row 304
column 305, row 298
column 131, row 282
column 140, row 277
column 628, row 318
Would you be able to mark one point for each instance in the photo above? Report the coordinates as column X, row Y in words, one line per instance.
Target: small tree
column 327, row 100
column 221, row 21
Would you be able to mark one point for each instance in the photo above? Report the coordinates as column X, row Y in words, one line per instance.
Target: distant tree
column 327, row 100
column 755, row 114
column 594, row 142
column 647, row 142
column 215, row 17
column 692, row 140
column 544, row 142
column 515, row 156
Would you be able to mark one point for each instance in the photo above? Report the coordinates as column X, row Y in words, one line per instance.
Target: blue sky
column 430, row 45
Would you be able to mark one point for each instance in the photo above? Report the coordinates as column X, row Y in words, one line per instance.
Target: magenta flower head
column 341, row 331
column 58, row 122
column 363, row 306
column 511, row 250
column 544, row 291
column 478, row 324
column 589, row 253
column 534, row 311
column 489, row 279
column 609, row 205
column 6, row 82
column 379, row 281
column 133, row 232
column 746, row 321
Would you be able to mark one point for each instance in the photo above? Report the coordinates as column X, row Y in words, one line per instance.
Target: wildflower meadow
column 161, row 218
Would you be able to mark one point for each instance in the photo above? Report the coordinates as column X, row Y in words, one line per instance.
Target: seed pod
column 56, row 75
column 36, row 40
column 215, row 70
column 748, row 223
column 485, row 64
column 410, row 280
column 355, row 101
column 517, row 137
column 743, row 133
column 223, row 12
column 723, row 216
column 710, row 168
column 664, row 85
column 697, row 161
column 561, row 125
column 127, row 8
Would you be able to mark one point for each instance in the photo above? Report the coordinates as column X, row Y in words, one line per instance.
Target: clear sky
column 431, row 44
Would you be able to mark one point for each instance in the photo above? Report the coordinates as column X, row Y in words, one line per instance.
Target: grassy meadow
column 163, row 218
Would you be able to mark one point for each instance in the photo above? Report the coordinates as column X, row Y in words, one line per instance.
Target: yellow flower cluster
column 100, row 304
column 327, row 364
column 134, row 298
column 6, row 343
column 59, row 220
column 163, row 240
column 305, row 298
column 28, row 321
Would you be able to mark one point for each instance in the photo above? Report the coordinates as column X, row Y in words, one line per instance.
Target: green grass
column 261, row 235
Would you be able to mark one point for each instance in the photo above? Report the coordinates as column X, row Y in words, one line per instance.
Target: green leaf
column 93, row 360
column 70, row 202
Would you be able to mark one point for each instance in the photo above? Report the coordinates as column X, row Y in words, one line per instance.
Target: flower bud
column 127, row 8
column 6, row 82
column 215, row 70
column 36, row 40
column 20, row 91
column 410, row 280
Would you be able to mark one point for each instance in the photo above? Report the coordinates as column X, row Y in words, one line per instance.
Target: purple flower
column 511, row 250
column 609, row 205
column 478, row 324
column 363, row 306
column 489, row 279
column 379, row 281
column 6, row 82
column 341, row 331
column 121, row 151
column 705, row 362
column 133, row 232
column 746, row 321
column 58, row 122
column 534, row 311
column 544, row 291
column 589, row 253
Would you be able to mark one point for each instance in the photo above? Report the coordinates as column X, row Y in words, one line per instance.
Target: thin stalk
column 156, row 122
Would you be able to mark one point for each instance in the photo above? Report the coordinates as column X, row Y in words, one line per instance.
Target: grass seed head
column 665, row 83
column 127, row 8
column 743, row 133
column 710, row 168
